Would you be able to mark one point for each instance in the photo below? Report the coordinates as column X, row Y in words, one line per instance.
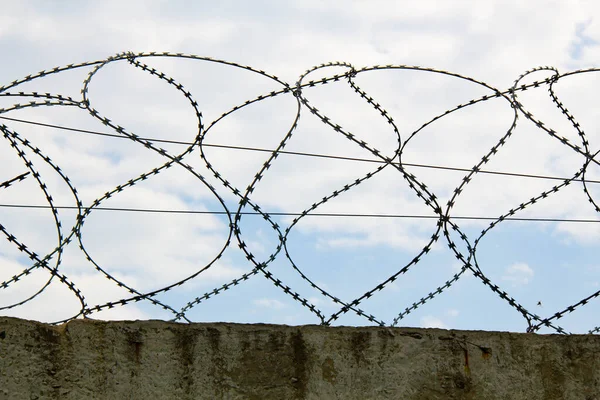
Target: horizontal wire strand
column 295, row 153
column 292, row 214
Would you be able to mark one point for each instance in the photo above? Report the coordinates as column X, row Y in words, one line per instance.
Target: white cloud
column 452, row 312
column 403, row 241
column 578, row 233
column 269, row 303
column 323, row 303
column 518, row 274
column 429, row 321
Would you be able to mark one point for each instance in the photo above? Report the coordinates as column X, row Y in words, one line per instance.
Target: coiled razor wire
column 445, row 227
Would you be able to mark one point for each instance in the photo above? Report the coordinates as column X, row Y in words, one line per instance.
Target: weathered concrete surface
column 159, row 360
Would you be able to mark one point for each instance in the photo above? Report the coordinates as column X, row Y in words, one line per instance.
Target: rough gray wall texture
column 162, row 360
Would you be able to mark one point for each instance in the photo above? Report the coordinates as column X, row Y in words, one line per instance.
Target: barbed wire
column 446, row 229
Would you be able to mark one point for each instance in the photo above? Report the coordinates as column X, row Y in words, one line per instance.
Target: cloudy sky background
column 545, row 266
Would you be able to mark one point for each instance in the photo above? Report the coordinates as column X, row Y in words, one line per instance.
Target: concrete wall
column 159, row 360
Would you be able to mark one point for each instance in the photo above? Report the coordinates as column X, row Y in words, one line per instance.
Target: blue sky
column 545, row 266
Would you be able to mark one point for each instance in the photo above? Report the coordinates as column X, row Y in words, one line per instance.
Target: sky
column 544, row 266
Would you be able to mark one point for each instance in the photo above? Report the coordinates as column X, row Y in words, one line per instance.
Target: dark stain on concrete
column 328, row 371
column 214, row 338
column 458, row 374
column 51, row 355
column 272, row 365
column 47, row 334
column 552, row 374
column 467, row 367
column 135, row 339
column 186, row 340
column 461, row 382
column 360, row 342
column 102, row 370
column 217, row 365
column 414, row 335
column 486, row 353
column 582, row 364
column 276, row 342
column 300, row 360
